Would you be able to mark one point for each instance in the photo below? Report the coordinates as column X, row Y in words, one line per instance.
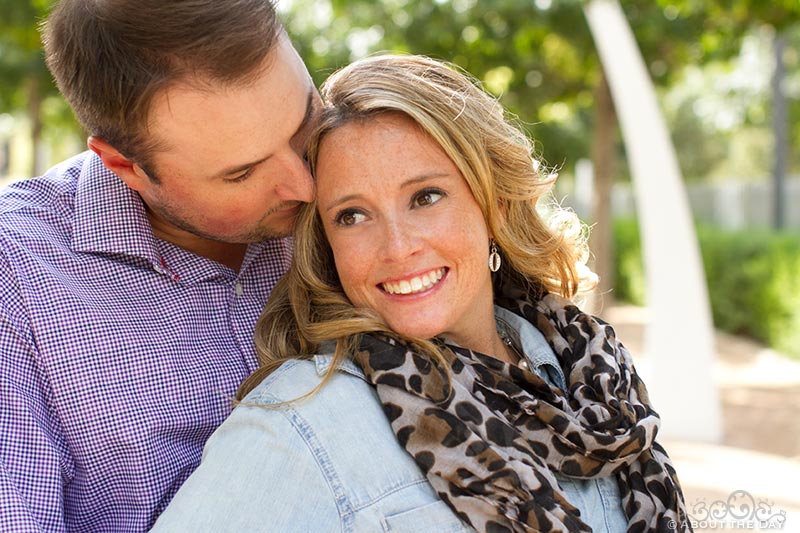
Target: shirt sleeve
column 258, row 473
column 32, row 452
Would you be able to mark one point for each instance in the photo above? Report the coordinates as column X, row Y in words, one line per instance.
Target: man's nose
column 296, row 184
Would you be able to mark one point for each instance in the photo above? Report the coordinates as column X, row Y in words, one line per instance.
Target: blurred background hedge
column 752, row 280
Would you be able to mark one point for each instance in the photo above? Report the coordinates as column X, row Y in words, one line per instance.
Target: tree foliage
column 536, row 55
column 21, row 58
column 26, row 86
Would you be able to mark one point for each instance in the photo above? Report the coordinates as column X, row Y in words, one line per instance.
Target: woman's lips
column 415, row 284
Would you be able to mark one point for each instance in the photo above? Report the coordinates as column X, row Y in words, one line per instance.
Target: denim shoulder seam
column 321, row 457
column 261, row 392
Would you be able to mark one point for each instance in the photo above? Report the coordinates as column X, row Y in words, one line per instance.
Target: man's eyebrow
column 230, row 171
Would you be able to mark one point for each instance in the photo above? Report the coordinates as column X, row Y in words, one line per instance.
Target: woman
column 458, row 387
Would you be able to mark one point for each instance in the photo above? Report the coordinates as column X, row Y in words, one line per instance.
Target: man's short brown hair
column 110, row 57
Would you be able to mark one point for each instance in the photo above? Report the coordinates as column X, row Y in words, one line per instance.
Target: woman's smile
column 414, row 284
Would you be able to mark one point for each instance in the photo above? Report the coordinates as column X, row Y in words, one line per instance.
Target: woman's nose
column 401, row 241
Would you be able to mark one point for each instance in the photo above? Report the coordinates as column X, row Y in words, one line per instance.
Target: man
column 132, row 275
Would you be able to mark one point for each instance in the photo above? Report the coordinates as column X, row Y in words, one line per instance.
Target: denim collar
column 532, row 344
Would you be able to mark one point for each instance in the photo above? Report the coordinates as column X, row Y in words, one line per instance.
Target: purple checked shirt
column 119, row 352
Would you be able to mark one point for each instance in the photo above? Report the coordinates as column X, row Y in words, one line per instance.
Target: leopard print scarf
column 490, row 437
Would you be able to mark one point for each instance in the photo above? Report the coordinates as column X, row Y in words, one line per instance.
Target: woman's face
column 409, row 240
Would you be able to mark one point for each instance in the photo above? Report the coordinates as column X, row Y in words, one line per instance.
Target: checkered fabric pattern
column 119, row 352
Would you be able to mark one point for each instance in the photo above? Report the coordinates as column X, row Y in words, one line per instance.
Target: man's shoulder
column 37, row 223
column 41, row 199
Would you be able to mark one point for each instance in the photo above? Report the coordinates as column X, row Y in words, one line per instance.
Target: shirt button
column 239, row 289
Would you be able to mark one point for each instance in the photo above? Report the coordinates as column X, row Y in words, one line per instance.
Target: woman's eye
column 349, row 218
column 427, row 197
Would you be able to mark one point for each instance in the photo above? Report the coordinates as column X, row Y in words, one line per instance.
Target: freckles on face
column 409, row 240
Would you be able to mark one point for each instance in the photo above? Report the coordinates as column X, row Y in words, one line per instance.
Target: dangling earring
column 494, row 257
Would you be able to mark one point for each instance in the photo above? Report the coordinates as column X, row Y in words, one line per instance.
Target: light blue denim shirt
column 332, row 463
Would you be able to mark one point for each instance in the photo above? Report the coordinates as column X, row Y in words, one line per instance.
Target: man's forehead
column 231, row 128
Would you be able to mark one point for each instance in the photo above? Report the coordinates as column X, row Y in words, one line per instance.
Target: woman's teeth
column 414, row 285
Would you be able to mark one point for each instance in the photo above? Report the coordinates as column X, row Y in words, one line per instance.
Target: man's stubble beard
column 259, row 233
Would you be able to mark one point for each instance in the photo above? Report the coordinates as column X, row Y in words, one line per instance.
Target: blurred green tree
column 25, row 82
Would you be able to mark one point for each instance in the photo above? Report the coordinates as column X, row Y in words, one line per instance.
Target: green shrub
column 753, row 280
column 629, row 284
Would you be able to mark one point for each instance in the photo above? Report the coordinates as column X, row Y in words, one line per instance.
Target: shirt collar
column 532, row 344
column 348, row 366
column 541, row 358
column 110, row 217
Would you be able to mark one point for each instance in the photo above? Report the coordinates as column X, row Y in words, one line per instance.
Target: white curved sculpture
column 679, row 338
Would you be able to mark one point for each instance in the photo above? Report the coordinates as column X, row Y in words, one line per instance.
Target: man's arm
column 14, row 512
column 32, row 451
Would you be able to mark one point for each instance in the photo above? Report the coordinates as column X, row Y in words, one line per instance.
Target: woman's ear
column 129, row 172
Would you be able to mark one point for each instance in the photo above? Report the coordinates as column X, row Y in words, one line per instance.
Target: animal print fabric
column 490, row 435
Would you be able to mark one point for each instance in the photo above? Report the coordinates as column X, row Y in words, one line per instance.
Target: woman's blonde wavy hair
column 308, row 306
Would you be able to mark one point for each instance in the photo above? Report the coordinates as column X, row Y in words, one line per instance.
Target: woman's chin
column 415, row 331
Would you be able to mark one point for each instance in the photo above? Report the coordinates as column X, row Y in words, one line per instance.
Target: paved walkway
column 750, row 480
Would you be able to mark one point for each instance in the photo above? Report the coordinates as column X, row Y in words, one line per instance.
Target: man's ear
column 128, row 171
